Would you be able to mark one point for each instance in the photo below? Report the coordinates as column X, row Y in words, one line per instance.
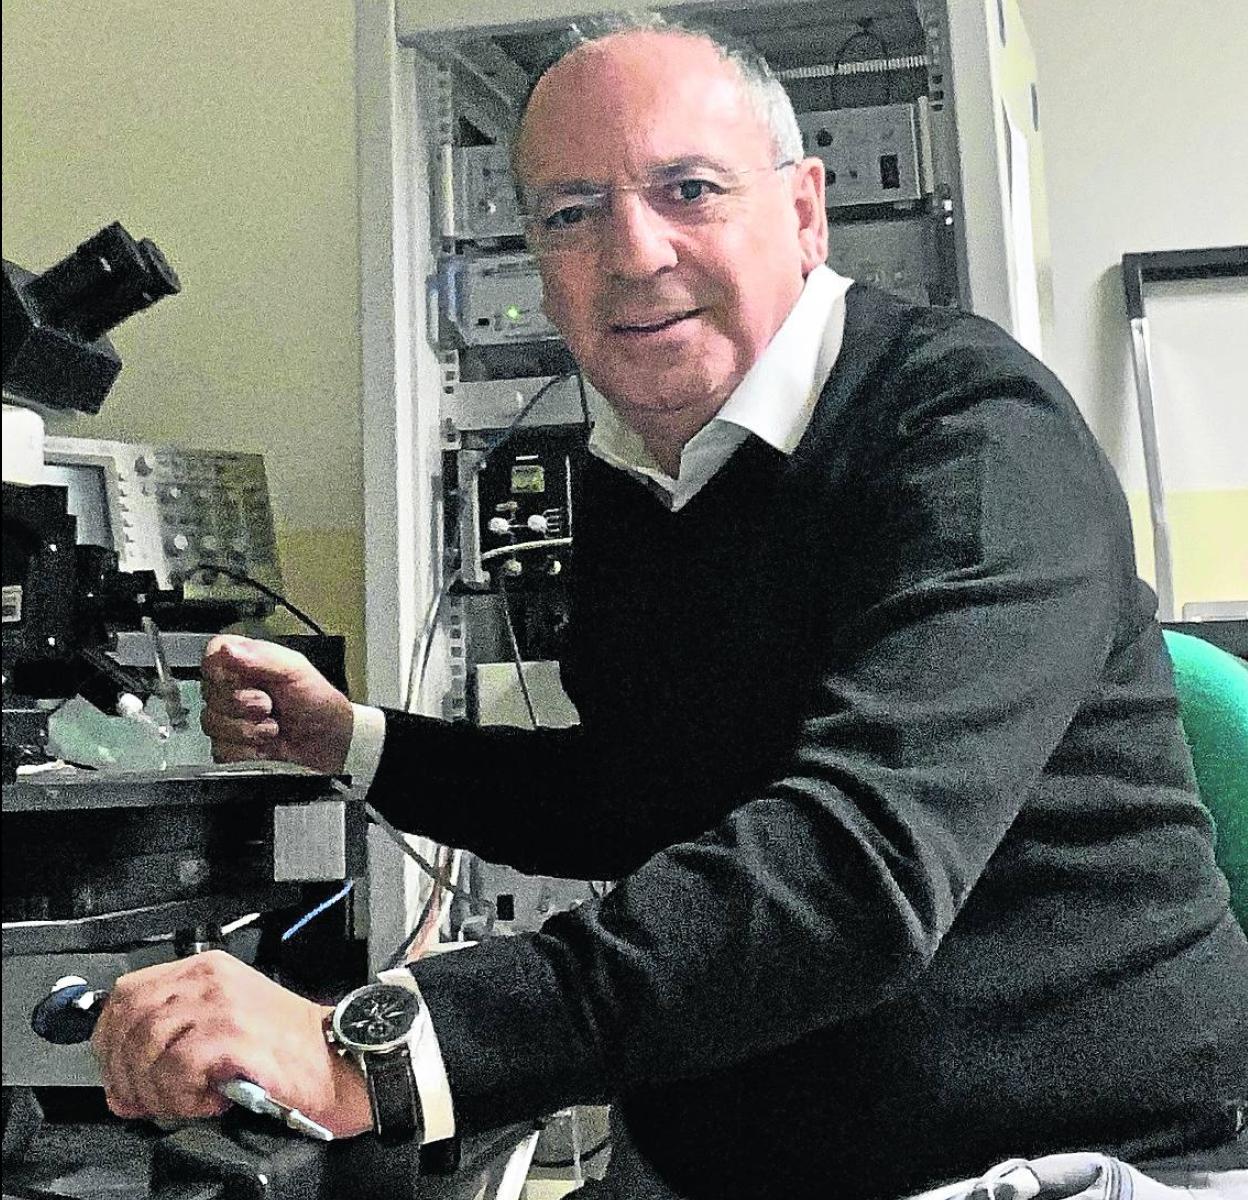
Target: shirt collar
column 774, row 401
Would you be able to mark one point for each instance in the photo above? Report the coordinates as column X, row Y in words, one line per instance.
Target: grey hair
column 763, row 90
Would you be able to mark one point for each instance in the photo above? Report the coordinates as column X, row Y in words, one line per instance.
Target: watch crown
column 327, row 1030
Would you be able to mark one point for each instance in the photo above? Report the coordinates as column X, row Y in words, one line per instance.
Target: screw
column 191, row 871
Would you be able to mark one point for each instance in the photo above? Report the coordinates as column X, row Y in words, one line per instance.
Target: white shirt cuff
column 368, row 736
column 432, row 1085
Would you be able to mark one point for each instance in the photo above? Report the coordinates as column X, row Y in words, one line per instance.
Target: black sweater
column 882, row 742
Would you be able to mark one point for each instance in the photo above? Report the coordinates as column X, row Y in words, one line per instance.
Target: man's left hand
column 170, row 1034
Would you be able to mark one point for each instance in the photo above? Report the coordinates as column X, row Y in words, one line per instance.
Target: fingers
column 249, row 703
column 172, row 1073
column 228, row 693
column 181, row 1081
column 225, row 663
column 238, row 719
column 130, row 1033
column 139, row 1081
column 233, row 661
column 240, row 679
column 159, row 1042
column 245, row 729
column 170, row 1034
column 237, row 739
column 231, row 692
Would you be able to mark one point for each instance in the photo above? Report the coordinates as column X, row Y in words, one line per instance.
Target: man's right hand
column 265, row 701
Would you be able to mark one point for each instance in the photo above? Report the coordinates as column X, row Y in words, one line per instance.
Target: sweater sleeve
column 983, row 625
column 514, row 796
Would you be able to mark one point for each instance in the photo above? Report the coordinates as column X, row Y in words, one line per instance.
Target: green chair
column 1213, row 706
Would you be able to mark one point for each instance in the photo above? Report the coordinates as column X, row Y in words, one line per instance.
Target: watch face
column 378, row 1016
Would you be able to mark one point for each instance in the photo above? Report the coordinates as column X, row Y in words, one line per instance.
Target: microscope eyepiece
column 105, row 280
column 55, row 347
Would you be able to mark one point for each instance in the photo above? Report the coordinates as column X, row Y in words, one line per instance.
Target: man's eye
column 565, row 218
column 691, row 190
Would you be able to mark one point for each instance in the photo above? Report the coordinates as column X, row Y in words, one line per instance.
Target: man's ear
column 812, row 215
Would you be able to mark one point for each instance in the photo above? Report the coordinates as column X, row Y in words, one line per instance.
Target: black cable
column 277, row 597
column 562, row 1164
column 580, row 387
column 515, row 653
column 869, row 34
column 503, row 438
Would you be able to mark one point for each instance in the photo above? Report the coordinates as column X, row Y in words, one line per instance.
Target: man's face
column 665, row 313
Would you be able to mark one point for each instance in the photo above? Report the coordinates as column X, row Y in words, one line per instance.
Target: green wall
column 225, row 131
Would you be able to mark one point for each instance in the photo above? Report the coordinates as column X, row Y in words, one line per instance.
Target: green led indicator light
column 513, row 313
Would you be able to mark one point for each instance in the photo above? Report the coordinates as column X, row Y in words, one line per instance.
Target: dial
column 378, row 1015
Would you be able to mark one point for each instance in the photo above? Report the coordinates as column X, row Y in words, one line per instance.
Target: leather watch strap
column 392, row 1094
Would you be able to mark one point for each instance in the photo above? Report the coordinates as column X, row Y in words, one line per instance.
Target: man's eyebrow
column 568, row 187
column 682, row 166
column 675, row 169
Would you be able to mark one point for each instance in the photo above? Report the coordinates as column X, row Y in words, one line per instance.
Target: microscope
column 109, row 867
column 64, row 602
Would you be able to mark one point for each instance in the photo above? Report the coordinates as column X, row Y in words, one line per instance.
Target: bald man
column 878, row 733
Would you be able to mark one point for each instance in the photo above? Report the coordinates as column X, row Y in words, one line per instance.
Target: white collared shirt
column 774, row 401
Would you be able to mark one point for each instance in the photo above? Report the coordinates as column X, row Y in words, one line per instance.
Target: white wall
column 1142, row 106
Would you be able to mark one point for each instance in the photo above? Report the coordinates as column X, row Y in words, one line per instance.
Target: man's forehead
column 651, row 97
column 661, row 52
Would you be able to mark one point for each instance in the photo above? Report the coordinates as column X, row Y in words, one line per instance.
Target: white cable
column 231, row 926
column 423, row 648
column 524, row 547
column 400, row 840
column 1163, row 563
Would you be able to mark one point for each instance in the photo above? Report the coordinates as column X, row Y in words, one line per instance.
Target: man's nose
column 636, row 241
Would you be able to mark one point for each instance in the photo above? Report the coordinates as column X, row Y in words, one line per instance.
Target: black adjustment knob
column 67, row 1015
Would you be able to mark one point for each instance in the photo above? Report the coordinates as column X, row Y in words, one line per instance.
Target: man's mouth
column 655, row 324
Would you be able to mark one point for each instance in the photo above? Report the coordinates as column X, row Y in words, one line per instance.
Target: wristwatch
column 385, row 1028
